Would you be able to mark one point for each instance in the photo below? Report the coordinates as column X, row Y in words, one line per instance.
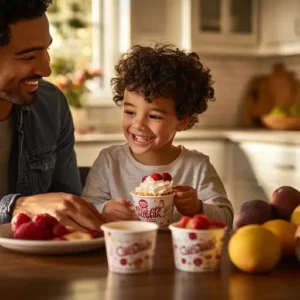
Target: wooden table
column 85, row 276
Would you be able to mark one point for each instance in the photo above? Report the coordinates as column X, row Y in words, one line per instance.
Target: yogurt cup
column 130, row 246
column 197, row 250
column 155, row 209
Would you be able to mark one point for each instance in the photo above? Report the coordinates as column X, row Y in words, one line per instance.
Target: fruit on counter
column 278, row 111
column 295, row 217
column 254, row 249
column 294, row 110
column 199, row 221
column 285, row 232
column 46, row 227
column 252, row 212
column 284, row 200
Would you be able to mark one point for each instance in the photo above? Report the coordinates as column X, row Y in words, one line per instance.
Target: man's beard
column 15, row 99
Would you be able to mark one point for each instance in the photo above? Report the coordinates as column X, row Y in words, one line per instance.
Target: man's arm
column 6, row 207
column 66, row 176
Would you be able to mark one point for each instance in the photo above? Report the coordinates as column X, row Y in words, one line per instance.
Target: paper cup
column 197, row 250
column 130, row 246
column 156, row 209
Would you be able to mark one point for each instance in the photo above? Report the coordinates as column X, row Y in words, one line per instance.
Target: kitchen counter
column 234, row 135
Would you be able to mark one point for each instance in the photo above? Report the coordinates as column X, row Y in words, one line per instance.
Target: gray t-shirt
column 116, row 173
column 8, row 156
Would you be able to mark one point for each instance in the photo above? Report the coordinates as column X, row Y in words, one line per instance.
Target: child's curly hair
column 165, row 71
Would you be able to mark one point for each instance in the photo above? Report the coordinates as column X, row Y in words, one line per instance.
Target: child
column 162, row 90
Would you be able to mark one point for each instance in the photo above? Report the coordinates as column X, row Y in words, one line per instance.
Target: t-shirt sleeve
column 213, row 195
column 96, row 189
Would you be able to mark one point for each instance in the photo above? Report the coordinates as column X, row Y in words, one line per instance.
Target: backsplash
column 231, row 76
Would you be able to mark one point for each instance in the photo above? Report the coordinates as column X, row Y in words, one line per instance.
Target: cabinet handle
column 285, row 167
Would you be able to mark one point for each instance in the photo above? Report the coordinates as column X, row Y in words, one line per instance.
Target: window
column 90, row 33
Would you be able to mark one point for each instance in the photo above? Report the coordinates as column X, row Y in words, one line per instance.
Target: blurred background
column 251, row 131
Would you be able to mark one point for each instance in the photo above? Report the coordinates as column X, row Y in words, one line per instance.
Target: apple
column 284, row 200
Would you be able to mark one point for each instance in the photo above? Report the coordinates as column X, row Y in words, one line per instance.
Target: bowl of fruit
column 197, row 243
column 283, row 119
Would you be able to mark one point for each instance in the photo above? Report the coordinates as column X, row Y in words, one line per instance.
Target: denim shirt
column 46, row 156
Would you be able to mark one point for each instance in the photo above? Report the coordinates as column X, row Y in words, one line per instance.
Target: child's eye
column 155, row 117
column 130, row 113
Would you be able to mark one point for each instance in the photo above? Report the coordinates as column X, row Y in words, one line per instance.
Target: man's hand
column 119, row 209
column 186, row 200
column 70, row 210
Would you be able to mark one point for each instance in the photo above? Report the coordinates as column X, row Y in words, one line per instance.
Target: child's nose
column 139, row 123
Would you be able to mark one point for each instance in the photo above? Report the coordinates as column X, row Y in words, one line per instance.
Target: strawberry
column 199, row 221
column 183, row 221
column 27, row 231
column 43, row 221
column 144, row 178
column 46, row 234
column 19, row 219
column 59, row 230
column 166, row 177
column 156, row 177
column 217, row 224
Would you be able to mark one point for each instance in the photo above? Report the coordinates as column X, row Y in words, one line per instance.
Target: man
column 38, row 172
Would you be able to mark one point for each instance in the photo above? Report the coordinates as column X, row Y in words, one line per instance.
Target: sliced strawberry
column 59, row 230
column 144, row 178
column 27, row 231
column 19, row 219
column 166, row 176
column 156, row 177
column 43, row 221
column 217, row 224
column 183, row 221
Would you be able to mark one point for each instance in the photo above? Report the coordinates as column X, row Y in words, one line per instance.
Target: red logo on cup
column 143, row 203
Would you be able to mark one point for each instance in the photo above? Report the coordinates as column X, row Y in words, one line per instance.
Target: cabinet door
column 258, row 169
column 224, row 22
column 280, row 27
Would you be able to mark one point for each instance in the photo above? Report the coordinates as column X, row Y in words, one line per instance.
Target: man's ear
column 183, row 123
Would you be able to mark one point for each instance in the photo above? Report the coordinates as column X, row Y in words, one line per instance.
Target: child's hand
column 186, row 200
column 119, row 209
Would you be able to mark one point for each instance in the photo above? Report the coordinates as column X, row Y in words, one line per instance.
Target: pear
column 279, row 111
column 294, row 110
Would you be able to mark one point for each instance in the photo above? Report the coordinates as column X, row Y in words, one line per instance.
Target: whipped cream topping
column 155, row 188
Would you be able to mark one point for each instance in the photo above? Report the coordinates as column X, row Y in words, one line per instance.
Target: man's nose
column 43, row 65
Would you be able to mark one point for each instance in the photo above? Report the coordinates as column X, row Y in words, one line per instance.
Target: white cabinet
column 235, row 27
column 280, row 27
column 223, row 23
column 260, row 168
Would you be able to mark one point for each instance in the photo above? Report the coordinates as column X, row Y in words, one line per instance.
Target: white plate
column 46, row 247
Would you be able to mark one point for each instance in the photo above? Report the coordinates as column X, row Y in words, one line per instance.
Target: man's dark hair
column 12, row 11
column 165, row 71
